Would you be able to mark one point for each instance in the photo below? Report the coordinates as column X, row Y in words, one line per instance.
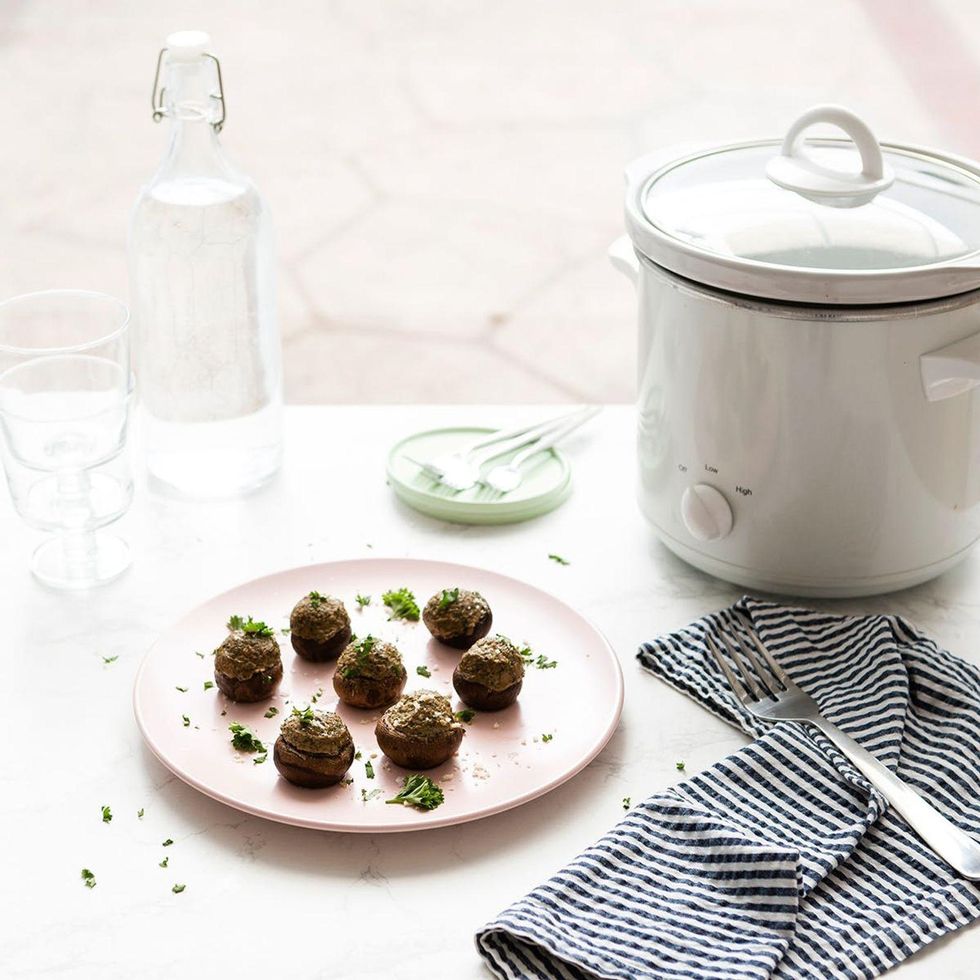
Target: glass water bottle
column 208, row 358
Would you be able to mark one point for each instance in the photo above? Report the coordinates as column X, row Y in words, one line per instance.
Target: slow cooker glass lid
column 722, row 202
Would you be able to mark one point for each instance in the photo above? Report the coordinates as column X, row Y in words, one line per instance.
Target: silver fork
column 768, row 693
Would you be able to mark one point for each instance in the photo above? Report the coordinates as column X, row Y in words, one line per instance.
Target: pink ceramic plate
column 503, row 762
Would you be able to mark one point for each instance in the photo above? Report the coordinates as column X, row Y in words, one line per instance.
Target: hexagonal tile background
column 445, row 177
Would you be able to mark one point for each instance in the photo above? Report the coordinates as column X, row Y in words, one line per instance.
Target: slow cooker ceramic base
column 842, row 588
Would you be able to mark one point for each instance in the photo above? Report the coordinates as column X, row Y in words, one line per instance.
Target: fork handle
column 957, row 848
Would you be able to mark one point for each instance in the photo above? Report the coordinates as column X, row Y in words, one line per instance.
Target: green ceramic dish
column 547, row 482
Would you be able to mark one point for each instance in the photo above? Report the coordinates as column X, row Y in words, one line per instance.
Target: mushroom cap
column 243, row 654
column 458, row 617
column 318, row 618
column 493, row 662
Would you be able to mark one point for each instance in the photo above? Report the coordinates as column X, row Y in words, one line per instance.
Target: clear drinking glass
column 65, row 392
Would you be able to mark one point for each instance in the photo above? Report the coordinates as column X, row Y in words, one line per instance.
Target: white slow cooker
column 809, row 317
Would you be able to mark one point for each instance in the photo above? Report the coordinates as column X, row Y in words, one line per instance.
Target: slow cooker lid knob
column 797, row 171
column 706, row 513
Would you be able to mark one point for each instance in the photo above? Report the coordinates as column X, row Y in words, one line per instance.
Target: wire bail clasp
column 159, row 92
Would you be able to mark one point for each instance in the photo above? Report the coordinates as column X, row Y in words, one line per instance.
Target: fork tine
column 734, row 682
column 771, row 663
column 765, row 680
column 747, row 677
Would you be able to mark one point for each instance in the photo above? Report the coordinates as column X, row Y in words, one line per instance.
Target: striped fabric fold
column 781, row 860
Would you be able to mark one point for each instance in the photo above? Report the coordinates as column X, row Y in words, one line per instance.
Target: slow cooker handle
column 951, row 370
column 622, row 255
column 797, row 171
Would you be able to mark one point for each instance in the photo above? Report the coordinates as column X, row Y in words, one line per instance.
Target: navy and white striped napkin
column 781, row 860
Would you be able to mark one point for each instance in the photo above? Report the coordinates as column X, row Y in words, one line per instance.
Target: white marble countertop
column 269, row 900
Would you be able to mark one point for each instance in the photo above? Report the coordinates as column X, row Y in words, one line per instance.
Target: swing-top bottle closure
column 187, row 47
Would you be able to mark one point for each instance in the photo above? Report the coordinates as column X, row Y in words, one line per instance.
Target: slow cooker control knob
column 706, row 513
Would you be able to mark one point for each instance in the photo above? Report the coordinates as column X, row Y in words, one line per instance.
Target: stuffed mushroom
column 458, row 617
column 319, row 627
column 247, row 665
column 369, row 674
column 314, row 748
column 419, row 732
column 490, row 674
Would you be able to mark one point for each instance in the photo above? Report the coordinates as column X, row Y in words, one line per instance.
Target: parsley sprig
column 448, row 597
column 419, row 791
column 363, row 648
column 316, row 599
column 249, row 626
column 306, row 717
column 402, row 604
column 88, row 878
column 243, row 739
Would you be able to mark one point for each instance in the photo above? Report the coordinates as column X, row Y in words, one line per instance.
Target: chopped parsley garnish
column 448, row 597
column 187, row 721
column 365, row 795
column 271, row 713
column 679, row 766
column 139, row 813
column 402, row 604
column 110, row 660
column 423, row 671
column 363, row 648
column 558, row 560
column 106, row 815
column 357, row 756
column 316, row 696
column 419, row 791
column 369, row 769
column 197, row 653
column 243, row 739
column 208, row 685
column 88, row 878
column 465, row 714
column 316, row 599
column 541, row 661
column 183, row 690
column 250, row 627
column 167, row 842
column 259, row 759
column 165, row 861
column 362, row 600
column 177, row 889
column 306, row 716
column 285, row 631
column 626, row 802
column 547, row 738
